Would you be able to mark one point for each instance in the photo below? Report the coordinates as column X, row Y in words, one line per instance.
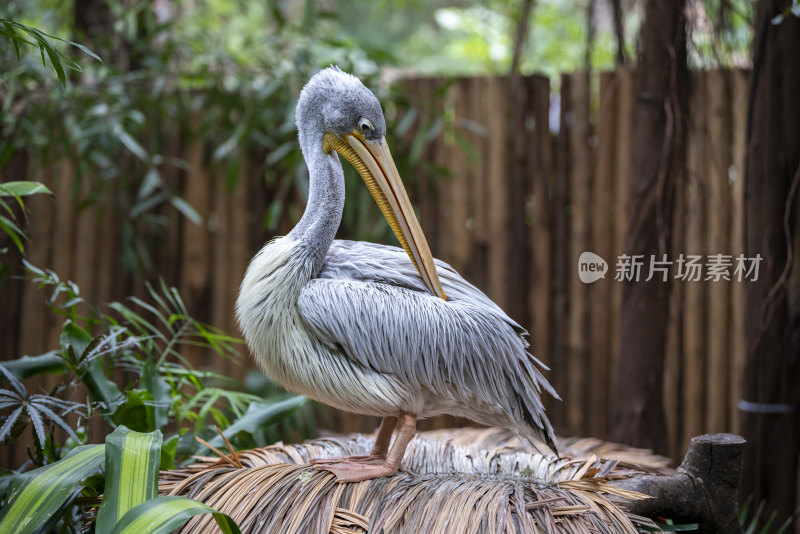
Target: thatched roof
column 452, row 481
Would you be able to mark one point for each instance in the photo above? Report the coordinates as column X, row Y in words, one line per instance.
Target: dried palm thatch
column 453, row 481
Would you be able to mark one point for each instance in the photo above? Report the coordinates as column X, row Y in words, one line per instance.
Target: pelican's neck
column 319, row 223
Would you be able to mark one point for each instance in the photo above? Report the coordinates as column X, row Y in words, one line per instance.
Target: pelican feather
column 365, row 327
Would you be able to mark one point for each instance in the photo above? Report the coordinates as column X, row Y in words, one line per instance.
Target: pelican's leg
column 379, row 450
column 356, row 471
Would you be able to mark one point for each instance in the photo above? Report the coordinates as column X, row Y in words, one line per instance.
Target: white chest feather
column 291, row 355
column 267, row 308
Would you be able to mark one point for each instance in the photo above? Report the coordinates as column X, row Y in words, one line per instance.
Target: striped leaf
column 132, row 464
column 39, row 494
column 162, row 515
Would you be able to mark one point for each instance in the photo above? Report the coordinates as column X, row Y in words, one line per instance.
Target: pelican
column 374, row 329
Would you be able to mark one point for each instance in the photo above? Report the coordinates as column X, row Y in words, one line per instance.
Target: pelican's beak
column 374, row 163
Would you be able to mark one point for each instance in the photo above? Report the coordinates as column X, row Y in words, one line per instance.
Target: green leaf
column 100, row 387
column 162, row 515
column 28, row 366
column 260, row 416
column 15, row 39
column 13, row 231
column 281, row 152
column 158, row 387
column 24, row 189
column 75, row 337
column 188, row 211
column 37, row 495
column 54, row 60
column 136, row 412
column 131, row 144
column 82, row 48
column 168, row 450
column 132, row 463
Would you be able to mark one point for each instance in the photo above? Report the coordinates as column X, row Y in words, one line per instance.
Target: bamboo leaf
column 13, row 231
column 279, row 153
column 82, row 48
column 132, row 464
column 15, row 39
column 188, row 211
column 162, row 515
column 24, row 189
column 37, row 495
column 45, row 45
column 130, row 143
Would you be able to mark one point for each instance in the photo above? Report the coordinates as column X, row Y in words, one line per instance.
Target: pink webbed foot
column 352, row 471
column 359, row 458
column 378, row 464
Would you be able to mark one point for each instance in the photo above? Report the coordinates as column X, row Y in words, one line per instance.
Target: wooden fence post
column 575, row 400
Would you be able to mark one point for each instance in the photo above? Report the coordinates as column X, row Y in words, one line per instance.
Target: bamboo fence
column 511, row 200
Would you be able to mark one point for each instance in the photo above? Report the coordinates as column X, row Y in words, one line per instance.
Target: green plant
column 668, row 526
column 145, row 339
column 122, row 130
column 130, row 503
column 757, row 523
column 43, row 411
column 163, row 393
column 19, row 34
column 16, row 191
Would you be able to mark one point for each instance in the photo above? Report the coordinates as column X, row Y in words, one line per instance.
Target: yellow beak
column 374, row 163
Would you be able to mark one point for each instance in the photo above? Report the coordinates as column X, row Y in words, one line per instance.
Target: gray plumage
column 353, row 325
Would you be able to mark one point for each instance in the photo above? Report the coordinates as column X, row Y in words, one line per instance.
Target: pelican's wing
column 461, row 352
column 370, row 262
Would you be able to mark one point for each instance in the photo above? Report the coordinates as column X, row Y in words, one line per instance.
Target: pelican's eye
column 365, row 125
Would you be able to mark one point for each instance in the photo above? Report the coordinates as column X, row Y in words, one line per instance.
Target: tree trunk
column 770, row 390
column 702, row 490
column 619, row 31
column 637, row 408
column 94, row 22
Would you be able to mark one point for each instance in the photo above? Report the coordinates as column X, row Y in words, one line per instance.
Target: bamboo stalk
column 738, row 341
column 497, row 195
column 718, row 160
column 623, row 172
column 540, row 169
column 694, row 335
column 580, row 185
column 601, row 244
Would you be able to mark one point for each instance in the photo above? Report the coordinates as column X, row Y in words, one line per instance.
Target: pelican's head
column 337, row 111
column 336, row 102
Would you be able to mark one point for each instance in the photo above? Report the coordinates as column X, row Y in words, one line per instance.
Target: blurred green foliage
column 243, row 63
column 236, row 67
